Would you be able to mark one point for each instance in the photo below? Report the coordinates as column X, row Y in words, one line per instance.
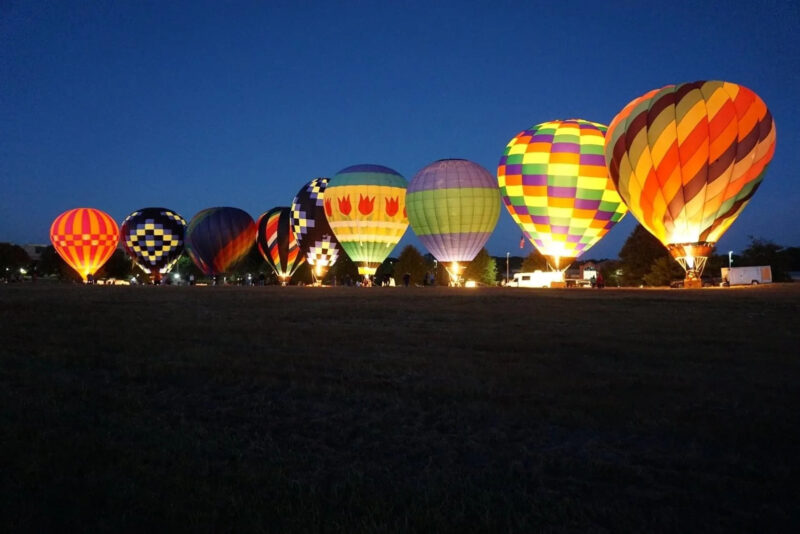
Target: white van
column 538, row 279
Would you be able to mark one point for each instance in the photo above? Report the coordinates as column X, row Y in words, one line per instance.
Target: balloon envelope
column 555, row 185
column 688, row 158
column 277, row 243
column 217, row 238
column 85, row 238
column 313, row 233
column 365, row 207
column 453, row 207
column 153, row 237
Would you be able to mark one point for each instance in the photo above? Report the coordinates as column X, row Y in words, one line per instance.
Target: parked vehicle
column 589, row 274
column 739, row 276
column 538, row 279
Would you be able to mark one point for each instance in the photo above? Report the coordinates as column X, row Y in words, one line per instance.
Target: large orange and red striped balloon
column 85, row 238
column 687, row 159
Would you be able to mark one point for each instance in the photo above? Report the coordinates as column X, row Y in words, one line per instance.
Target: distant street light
column 730, row 259
column 507, row 256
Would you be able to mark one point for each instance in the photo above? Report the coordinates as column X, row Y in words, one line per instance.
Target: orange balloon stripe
column 555, row 202
column 565, row 157
column 694, row 152
column 234, row 249
column 592, row 171
column 722, row 129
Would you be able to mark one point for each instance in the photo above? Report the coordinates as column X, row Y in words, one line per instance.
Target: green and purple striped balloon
column 453, row 207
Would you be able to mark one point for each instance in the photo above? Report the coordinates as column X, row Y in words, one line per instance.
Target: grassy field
column 398, row 410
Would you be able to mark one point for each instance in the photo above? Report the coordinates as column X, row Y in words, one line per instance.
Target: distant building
column 34, row 250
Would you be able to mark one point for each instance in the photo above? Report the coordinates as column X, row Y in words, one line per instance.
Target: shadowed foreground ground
column 389, row 409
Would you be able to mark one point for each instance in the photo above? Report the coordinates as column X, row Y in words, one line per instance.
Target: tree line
column 643, row 260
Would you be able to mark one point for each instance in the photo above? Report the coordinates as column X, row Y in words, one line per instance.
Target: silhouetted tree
column 609, row 270
column 534, row 261
column 385, row 269
column 302, row 275
column 714, row 264
column 410, row 261
column 119, row 266
column 50, row 263
column 663, row 271
column 637, row 256
column 343, row 268
column 482, row 269
column 440, row 275
column 765, row 252
column 791, row 256
column 185, row 267
column 12, row 259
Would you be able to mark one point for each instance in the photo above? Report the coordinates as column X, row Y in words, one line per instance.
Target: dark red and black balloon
column 277, row 242
column 217, row 238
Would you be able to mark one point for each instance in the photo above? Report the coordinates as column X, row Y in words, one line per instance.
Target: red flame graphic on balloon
column 365, row 204
column 392, row 204
column 328, row 208
column 344, row 205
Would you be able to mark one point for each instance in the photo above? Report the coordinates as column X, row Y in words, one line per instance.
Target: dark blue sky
column 119, row 105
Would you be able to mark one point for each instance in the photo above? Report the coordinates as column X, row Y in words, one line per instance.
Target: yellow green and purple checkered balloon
column 555, row 185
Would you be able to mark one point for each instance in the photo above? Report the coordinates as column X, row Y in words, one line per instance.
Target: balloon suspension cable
column 454, row 270
column 318, row 273
column 555, row 263
column 692, row 257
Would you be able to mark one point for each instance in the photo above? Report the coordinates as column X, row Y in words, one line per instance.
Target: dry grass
column 390, row 409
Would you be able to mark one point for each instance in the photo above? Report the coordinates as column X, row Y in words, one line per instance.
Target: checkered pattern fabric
column 153, row 237
column 556, row 187
column 311, row 228
column 304, row 206
column 325, row 251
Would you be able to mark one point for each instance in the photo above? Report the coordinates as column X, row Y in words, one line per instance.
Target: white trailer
column 747, row 276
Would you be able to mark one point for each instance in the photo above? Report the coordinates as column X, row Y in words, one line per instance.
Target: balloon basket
column 692, row 283
column 692, row 257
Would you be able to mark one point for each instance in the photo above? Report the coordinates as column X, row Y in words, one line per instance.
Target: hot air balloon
column 217, row 238
column 365, row 207
column 277, row 243
column 313, row 233
column 453, row 206
column 556, row 187
column 153, row 237
column 687, row 159
column 85, row 238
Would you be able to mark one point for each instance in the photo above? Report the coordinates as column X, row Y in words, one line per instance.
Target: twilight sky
column 188, row 105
